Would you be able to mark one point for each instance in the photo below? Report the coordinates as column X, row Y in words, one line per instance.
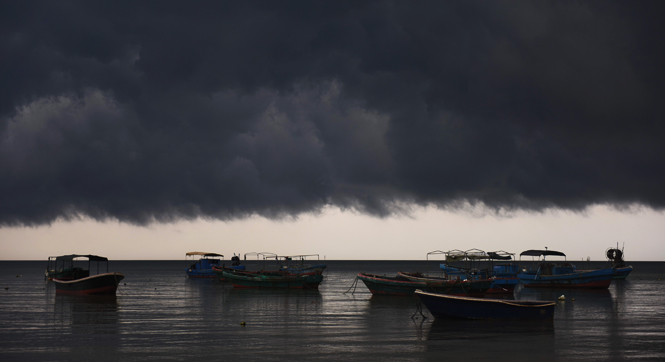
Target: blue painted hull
column 208, row 273
column 588, row 279
column 503, row 285
column 447, row 306
column 622, row 273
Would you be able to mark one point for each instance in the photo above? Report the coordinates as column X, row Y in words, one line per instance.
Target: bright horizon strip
column 337, row 235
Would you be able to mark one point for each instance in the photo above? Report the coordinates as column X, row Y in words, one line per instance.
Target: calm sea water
column 159, row 314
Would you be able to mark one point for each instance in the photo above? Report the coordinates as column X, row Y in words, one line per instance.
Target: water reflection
column 489, row 339
column 271, row 305
column 96, row 314
column 442, row 328
column 576, row 303
column 90, row 324
column 159, row 314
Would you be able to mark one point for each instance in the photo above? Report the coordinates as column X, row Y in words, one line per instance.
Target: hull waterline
column 446, row 306
column 106, row 284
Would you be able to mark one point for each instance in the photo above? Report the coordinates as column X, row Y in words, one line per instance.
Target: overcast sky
column 144, row 118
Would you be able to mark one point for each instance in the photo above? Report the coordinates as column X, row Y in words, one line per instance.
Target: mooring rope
column 354, row 285
column 419, row 308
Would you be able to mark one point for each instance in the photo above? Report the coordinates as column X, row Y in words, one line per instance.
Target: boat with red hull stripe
column 80, row 282
column 106, row 283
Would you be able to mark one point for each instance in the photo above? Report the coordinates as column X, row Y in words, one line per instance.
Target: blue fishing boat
column 622, row 273
column 562, row 274
column 462, row 264
column 292, row 264
column 78, row 280
column 448, row 306
column 300, row 264
column 504, row 274
column 202, row 268
column 477, row 264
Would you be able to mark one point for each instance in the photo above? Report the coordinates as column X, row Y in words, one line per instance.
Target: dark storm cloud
column 158, row 111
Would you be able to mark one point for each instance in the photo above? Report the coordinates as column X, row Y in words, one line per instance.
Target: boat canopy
column 203, row 253
column 455, row 255
column 541, row 253
column 261, row 255
column 476, row 254
column 500, row 255
column 296, row 257
column 74, row 256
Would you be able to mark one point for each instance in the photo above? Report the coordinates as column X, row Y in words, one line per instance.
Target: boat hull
column 389, row 285
column 208, row 273
column 272, row 281
column 503, row 285
column 403, row 286
column 587, row 279
column 447, row 306
column 106, row 283
column 306, row 270
column 622, row 273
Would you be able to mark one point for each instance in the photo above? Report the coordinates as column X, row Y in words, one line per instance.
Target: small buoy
column 562, row 297
column 125, row 284
column 6, row 288
column 18, row 276
column 573, row 299
column 243, row 324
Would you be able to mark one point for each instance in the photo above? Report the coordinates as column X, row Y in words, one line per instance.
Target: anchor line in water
column 115, row 275
column 419, row 308
column 353, row 285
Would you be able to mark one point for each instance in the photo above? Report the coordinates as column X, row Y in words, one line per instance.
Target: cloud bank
column 156, row 112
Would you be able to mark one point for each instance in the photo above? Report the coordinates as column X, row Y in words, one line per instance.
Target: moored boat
column 622, row 273
column 478, row 264
column 448, row 306
column 269, row 279
column 81, row 282
column 202, row 268
column 615, row 256
column 562, row 274
column 407, row 283
column 294, row 264
column 462, row 264
column 504, row 274
column 469, row 287
column 300, row 264
column 386, row 285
